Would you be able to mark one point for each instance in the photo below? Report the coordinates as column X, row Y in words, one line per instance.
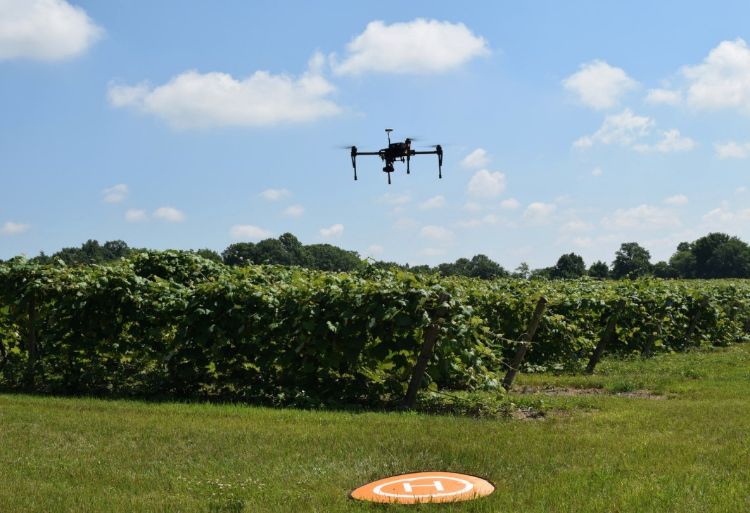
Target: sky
column 567, row 127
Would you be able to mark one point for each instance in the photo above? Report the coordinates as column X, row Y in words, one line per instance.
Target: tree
column 599, row 269
column 682, row 263
column 209, row 254
column 239, row 253
column 522, row 271
column 717, row 255
column 569, row 266
column 331, row 258
column 631, row 261
column 296, row 252
column 662, row 269
column 483, row 267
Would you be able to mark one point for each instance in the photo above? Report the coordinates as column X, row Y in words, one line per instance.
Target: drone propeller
column 344, row 147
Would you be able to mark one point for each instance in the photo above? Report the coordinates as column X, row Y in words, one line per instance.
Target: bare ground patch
column 576, row 392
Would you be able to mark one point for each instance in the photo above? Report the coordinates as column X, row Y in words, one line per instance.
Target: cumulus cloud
column 624, row 129
column 248, row 233
column 676, row 200
column 115, row 194
column 45, row 30
column 510, row 204
column 135, row 215
column 169, row 214
column 396, row 200
column 642, row 216
column 434, row 202
column 332, row 231
column 722, row 80
column 599, row 85
column 294, row 211
column 539, row 212
column 664, row 97
column 485, row 184
column 275, row 194
column 671, row 141
column 375, row 250
column 476, row 159
column 597, row 171
column 11, row 228
column 419, row 46
column 199, row 100
column 576, row 226
column 437, row 233
column 726, row 219
column 732, row 150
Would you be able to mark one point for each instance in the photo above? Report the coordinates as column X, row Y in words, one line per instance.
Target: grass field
column 688, row 451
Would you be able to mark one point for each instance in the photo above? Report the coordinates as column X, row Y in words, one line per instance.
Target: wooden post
column 536, row 318
column 649, row 347
column 694, row 323
column 606, row 336
column 31, row 344
column 428, row 344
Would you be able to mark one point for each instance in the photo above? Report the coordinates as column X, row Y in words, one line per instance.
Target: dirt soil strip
column 572, row 391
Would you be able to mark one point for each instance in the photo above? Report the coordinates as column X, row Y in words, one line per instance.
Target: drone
column 400, row 151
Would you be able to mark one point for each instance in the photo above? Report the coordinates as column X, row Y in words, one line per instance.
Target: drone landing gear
column 388, row 169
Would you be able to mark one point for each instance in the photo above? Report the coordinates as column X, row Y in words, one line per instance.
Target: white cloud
column 732, row 150
column 11, row 228
column 472, row 206
column 722, row 80
column 726, row 219
column 430, row 252
column 488, row 220
column 476, row 159
column 419, row 46
column 169, row 214
column 248, row 232
column 599, row 85
column 375, row 250
column 434, row 202
column 671, row 141
column 332, row 231
column 642, row 216
column 538, row 212
column 597, row 171
column 405, row 224
column 199, row 100
column 294, row 211
column 437, row 233
column 397, row 200
column 677, row 200
column 116, row 193
column 510, row 204
column 624, row 129
column 135, row 215
column 45, row 30
column 576, row 226
column 485, row 184
column 275, row 194
column 664, row 97
column 740, row 190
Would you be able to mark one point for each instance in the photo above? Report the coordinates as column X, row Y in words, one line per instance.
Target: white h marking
column 409, row 488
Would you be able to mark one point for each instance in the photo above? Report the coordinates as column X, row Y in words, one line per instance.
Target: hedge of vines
column 171, row 324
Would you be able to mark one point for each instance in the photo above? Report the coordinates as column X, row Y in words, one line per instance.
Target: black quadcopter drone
column 397, row 151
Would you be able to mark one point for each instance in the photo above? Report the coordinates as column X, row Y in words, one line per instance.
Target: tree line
column 716, row 255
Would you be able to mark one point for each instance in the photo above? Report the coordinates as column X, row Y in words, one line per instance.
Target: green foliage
column 631, row 261
column 568, row 267
column 599, row 269
column 175, row 324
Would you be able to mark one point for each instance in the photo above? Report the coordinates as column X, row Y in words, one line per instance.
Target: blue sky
column 181, row 124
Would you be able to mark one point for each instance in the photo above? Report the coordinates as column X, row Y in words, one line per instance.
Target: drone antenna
column 388, row 132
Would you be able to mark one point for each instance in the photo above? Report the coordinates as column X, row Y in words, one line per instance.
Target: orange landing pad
column 424, row 487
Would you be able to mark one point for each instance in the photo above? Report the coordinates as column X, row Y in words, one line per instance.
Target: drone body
column 397, row 151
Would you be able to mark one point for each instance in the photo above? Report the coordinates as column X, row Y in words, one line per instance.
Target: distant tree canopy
column 288, row 250
column 716, row 255
column 480, row 266
column 631, row 261
column 569, row 266
column 599, row 269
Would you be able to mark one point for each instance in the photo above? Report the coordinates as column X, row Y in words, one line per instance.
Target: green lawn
column 592, row 453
